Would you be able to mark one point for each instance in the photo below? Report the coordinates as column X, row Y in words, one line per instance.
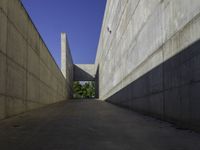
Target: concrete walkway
column 91, row 125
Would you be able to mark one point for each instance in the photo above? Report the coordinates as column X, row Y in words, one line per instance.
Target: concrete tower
column 63, row 53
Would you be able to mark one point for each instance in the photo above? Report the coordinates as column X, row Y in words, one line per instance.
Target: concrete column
column 64, row 53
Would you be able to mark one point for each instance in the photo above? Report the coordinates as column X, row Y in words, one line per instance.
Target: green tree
column 84, row 89
column 77, row 89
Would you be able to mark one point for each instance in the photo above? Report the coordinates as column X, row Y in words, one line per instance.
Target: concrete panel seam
column 117, row 27
column 196, row 17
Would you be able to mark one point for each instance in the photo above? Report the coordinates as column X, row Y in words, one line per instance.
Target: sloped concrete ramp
column 91, row 125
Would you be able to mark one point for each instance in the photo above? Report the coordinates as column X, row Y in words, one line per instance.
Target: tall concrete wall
column 29, row 76
column 148, row 58
column 67, row 64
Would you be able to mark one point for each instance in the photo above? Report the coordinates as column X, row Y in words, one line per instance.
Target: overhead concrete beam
column 84, row 72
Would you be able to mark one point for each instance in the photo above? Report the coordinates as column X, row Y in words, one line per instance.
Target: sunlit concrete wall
column 148, row 57
column 29, row 76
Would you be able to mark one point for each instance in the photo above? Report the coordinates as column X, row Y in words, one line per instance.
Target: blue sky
column 80, row 19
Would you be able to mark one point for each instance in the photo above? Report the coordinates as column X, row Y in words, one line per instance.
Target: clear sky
column 80, row 19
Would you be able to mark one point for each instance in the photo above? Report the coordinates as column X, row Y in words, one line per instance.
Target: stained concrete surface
column 91, row 125
column 158, row 76
column 29, row 75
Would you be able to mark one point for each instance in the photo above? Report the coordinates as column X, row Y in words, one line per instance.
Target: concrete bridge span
column 84, row 72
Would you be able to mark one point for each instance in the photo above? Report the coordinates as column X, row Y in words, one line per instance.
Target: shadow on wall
column 81, row 75
column 97, row 82
column 170, row 92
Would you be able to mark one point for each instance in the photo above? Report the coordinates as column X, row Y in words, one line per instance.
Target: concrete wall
column 29, row 76
column 148, row 58
column 84, row 72
column 67, row 64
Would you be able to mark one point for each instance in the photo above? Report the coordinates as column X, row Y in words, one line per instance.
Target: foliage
column 84, row 89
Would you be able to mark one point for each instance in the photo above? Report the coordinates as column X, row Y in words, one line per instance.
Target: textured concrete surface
column 29, row 76
column 92, row 125
column 64, row 50
column 170, row 91
column 140, row 65
column 66, row 58
column 67, row 64
column 129, row 51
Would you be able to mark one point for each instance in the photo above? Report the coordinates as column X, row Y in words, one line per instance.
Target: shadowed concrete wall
column 148, row 57
column 84, row 72
column 29, row 76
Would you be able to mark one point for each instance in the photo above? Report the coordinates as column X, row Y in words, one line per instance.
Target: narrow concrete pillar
column 64, row 53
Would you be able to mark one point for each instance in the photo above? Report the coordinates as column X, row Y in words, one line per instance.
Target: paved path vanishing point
column 91, row 125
